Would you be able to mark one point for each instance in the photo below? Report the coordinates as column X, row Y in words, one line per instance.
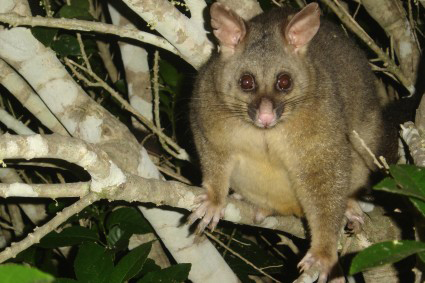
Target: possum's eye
column 247, row 82
column 283, row 82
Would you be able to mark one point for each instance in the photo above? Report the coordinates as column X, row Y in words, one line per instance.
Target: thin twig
column 40, row 232
column 233, row 239
column 212, row 237
column 375, row 160
column 274, row 248
column 81, row 25
column 346, row 18
column 157, row 119
column 413, row 24
column 48, row 8
column 83, row 52
column 357, row 9
column 6, row 226
column 181, row 153
column 175, row 176
column 230, row 239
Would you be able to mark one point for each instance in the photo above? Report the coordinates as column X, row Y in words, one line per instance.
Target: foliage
column 97, row 253
column 404, row 180
column 11, row 273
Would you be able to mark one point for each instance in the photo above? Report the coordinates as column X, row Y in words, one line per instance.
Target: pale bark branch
column 35, row 212
column 85, row 119
column 247, row 9
column 102, row 170
column 392, row 18
column 14, row 124
column 415, row 142
column 351, row 24
column 211, row 236
column 137, row 73
column 113, row 187
column 189, row 38
column 52, row 191
column 28, row 98
column 42, row 231
column 16, row 219
column 180, row 152
column 196, row 8
column 81, row 25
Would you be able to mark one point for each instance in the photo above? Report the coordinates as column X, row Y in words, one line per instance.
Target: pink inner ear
column 303, row 26
column 228, row 27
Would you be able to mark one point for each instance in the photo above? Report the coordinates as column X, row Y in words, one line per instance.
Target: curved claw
column 197, row 213
column 306, row 263
column 208, row 212
column 310, row 261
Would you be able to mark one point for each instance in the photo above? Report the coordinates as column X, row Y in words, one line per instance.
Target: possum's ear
column 303, row 26
column 229, row 27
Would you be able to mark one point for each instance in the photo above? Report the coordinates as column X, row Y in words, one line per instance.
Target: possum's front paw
column 208, row 211
column 326, row 264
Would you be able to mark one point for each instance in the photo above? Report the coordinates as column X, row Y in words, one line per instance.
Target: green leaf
column 118, row 238
column 58, row 205
column 44, row 35
column 384, row 253
column 165, row 99
column 149, row 266
column 66, row 45
column 68, row 237
column 412, row 181
column 128, row 219
column 28, row 256
column 173, row 274
column 419, row 204
column 170, row 74
column 74, row 12
column 13, row 273
column 93, row 264
column 84, row 4
column 410, row 178
column 131, row 264
column 121, row 86
column 390, row 185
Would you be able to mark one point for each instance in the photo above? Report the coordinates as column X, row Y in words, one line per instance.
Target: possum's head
column 261, row 72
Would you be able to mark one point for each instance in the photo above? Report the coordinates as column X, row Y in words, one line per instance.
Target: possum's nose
column 266, row 116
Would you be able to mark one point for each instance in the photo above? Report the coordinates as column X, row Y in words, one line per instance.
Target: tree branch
column 356, row 29
column 196, row 8
column 181, row 153
column 52, row 191
column 10, row 122
column 392, row 18
column 188, row 37
column 81, row 25
column 415, row 142
column 28, row 98
column 247, row 9
column 40, row 232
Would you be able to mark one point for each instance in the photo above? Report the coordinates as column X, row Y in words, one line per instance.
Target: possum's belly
column 265, row 184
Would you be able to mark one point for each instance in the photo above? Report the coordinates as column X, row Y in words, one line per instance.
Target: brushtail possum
column 273, row 114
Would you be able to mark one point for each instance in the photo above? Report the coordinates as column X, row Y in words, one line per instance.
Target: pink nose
column 266, row 116
column 266, row 119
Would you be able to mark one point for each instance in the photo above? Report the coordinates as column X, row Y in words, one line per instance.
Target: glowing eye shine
column 283, row 82
column 247, row 82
